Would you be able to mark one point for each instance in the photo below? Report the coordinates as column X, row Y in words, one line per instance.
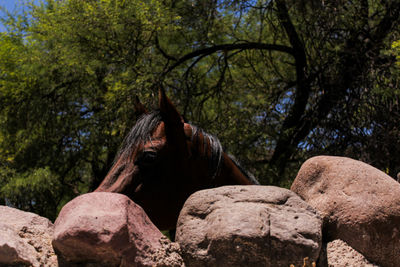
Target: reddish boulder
column 109, row 229
column 248, row 226
column 359, row 204
column 25, row 239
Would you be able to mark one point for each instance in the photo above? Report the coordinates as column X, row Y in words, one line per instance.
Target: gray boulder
column 109, row 229
column 248, row 226
column 359, row 205
column 25, row 239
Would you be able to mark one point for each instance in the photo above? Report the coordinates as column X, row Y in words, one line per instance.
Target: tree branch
column 390, row 20
column 229, row 47
column 303, row 86
column 157, row 43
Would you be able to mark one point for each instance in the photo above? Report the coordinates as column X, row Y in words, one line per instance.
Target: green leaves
column 70, row 71
column 34, row 190
column 396, row 51
column 69, row 74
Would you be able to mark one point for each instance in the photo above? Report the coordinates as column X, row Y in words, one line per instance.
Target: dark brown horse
column 163, row 160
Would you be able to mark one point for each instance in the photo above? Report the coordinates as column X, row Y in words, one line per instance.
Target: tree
column 276, row 81
column 333, row 59
column 70, row 73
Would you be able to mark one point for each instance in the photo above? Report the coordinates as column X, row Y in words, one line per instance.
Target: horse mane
column 248, row 175
column 209, row 140
column 147, row 123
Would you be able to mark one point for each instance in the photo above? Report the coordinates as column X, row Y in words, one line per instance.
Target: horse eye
column 146, row 158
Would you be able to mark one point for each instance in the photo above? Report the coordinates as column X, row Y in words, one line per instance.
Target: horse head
column 163, row 160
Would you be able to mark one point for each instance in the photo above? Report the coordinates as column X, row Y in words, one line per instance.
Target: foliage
column 68, row 81
column 32, row 190
column 318, row 77
column 276, row 81
column 396, row 51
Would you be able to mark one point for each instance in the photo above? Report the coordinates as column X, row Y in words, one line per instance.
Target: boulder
column 109, row 229
column 340, row 254
column 25, row 239
column 248, row 226
column 359, row 205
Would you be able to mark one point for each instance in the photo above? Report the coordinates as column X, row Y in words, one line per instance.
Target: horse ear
column 174, row 123
column 139, row 108
column 168, row 109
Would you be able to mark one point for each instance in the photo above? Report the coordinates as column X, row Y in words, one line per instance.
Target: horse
column 163, row 160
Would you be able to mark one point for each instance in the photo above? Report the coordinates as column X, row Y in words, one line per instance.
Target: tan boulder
column 359, row 204
column 25, row 239
column 340, row 254
column 248, row 226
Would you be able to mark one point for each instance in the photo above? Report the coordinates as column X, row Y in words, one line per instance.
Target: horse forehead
column 159, row 132
column 158, row 138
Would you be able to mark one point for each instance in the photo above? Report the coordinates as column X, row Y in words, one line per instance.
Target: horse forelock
column 139, row 134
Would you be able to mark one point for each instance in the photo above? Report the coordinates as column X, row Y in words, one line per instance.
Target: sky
column 10, row 5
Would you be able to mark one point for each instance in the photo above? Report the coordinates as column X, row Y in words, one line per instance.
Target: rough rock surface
column 359, row 204
column 248, row 226
column 340, row 254
column 25, row 239
column 109, row 229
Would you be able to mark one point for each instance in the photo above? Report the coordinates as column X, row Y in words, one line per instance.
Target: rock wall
column 349, row 204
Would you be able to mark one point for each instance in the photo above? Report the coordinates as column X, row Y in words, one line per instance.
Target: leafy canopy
column 277, row 81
